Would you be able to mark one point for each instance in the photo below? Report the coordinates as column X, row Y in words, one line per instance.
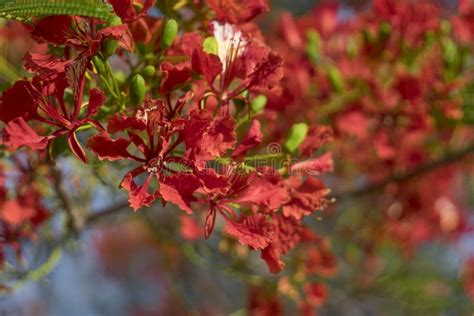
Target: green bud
column 169, row 33
column 430, row 37
column 352, row 48
column 258, row 103
column 137, row 90
column 385, row 30
column 369, row 36
column 446, row 27
column 110, row 45
column 296, row 137
column 149, row 71
column 98, row 65
column 335, row 78
column 210, row 45
column 313, row 48
column 450, row 51
column 121, row 77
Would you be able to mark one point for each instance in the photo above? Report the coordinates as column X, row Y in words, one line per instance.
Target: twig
column 449, row 158
column 111, row 210
column 64, row 199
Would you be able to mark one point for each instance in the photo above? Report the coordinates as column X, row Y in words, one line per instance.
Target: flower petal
column 178, row 189
column 254, row 231
column 21, row 100
column 17, row 133
column 107, row 148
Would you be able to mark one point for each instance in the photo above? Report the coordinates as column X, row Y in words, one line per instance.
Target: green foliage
column 313, row 48
column 297, row 135
column 25, row 10
column 259, row 103
column 210, row 45
column 335, row 78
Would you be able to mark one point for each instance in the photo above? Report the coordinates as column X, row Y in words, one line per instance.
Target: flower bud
column 313, row 48
column 110, row 45
column 149, row 71
column 98, row 64
column 137, row 90
column 335, row 78
column 169, row 33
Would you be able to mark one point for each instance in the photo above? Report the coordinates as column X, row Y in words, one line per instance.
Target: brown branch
column 94, row 217
column 64, row 199
column 448, row 159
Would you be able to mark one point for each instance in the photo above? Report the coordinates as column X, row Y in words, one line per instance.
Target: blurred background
column 395, row 83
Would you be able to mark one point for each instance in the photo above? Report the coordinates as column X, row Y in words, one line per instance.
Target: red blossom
column 15, row 214
column 254, row 231
column 108, row 148
column 178, row 189
column 25, row 98
column 252, row 139
column 189, row 228
column 287, row 235
column 306, row 197
column 17, row 133
column 233, row 11
column 126, row 11
column 173, row 76
column 207, row 137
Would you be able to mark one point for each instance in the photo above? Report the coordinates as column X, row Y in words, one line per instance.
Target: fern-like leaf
column 25, row 10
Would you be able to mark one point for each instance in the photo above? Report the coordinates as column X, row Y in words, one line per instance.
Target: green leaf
column 313, row 48
column 335, row 78
column 25, row 10
column 210, row 45
column 7, row 71
column 259, row 103
column 297, row 135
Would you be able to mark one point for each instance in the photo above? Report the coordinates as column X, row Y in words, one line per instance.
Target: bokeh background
column 139, row 264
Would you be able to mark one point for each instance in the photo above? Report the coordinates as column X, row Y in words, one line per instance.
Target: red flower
column 254, row 231
column 173, row 76
column 208, row 137
column 152, row 135
column 240, row 58
column 189, row 228
column 315, row 294
column 36, row 107
column 314, row 166
column 126, row 11
column 233, row 11
column 305, row 197
column 252, row 139
column 287, row 235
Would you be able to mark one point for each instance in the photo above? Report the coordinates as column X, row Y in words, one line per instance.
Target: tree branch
column 94, row 217
column 64, row 199
column 448, row 159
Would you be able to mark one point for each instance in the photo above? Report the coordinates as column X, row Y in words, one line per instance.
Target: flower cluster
column 199, row 113
column 186, row 132
column 390, row 80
